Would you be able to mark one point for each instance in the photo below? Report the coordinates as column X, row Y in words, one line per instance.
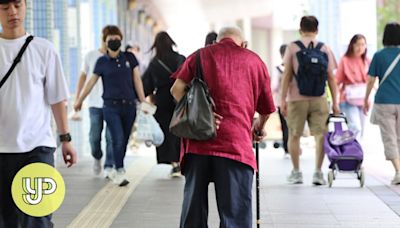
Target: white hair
column 231, row 32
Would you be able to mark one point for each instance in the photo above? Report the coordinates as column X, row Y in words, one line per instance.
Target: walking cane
column 258, row 221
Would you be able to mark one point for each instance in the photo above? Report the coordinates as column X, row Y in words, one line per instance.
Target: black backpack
column 313, row 69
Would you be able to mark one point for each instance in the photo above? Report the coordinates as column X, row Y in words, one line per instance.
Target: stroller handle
column 341, row 115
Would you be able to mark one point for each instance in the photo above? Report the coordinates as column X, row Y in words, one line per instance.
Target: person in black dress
column 157, row 83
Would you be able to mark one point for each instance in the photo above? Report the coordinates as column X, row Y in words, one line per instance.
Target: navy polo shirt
column 116, row 74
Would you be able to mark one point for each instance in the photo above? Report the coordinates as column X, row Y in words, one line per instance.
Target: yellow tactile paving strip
column 108, row 202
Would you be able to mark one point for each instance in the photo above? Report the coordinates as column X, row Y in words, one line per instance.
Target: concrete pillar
column 277, row 39
column 245, row 25
column 259, row 43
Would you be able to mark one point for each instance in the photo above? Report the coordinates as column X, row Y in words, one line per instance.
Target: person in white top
column 276, row 85
column 96, row 112
column 135, row 49
column 35, row 88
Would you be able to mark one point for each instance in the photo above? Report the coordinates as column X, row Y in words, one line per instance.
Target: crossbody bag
column 375, row 118
column 165, row 66
column 390, row 69
column 16, row 60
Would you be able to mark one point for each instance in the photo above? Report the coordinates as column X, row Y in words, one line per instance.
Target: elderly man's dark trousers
column 233, row 183
column 10, row 164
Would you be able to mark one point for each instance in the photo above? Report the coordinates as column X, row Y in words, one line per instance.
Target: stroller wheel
column 277, row 145
column 330, row 178
column 362, row 177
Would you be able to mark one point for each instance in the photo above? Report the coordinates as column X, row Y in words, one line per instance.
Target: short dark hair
column 309, row 24
column 391, row 34
column 111, row 30
column 210, row 38
column 7, row 1
column 282, row 49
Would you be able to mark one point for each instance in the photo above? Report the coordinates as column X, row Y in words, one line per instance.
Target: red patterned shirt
column 239, row 83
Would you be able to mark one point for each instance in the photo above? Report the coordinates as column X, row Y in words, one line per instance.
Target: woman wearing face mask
column 352, row 78
column 122, row 85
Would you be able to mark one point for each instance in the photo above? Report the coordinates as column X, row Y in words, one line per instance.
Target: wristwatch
column 65, row 137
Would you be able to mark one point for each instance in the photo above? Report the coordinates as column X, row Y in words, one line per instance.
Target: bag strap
column 279, row 69
column 319, row 45
column 300, row 44
column 199, row 68
column 165, row 66
column 199, row 75
column 16, row 60
column 390, row 69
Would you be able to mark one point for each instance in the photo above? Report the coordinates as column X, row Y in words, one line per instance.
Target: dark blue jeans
column 96, row 127
column 119, row 116
column 233, row 183
column 10, row 164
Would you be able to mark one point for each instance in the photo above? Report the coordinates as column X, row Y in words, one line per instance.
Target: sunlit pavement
column 154, row 199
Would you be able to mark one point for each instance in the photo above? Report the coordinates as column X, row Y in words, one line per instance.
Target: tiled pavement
column 155, row 200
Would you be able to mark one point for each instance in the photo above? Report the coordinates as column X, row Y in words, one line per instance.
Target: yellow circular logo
column 38, row 189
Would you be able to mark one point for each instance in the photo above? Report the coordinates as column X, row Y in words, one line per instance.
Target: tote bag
column 193, row 117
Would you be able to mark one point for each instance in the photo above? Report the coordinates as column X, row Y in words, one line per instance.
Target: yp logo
column 38, row 189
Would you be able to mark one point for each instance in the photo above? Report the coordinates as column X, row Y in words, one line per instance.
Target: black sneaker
column 176, row 171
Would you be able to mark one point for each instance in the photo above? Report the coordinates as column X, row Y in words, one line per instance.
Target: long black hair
column 163, row 44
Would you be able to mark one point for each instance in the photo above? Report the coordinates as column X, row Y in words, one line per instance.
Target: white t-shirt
column 276, row 83
column 94, row 99
column 36, row 83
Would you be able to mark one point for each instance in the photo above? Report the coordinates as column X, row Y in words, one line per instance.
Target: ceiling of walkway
column 175, row 12
column 189, row 20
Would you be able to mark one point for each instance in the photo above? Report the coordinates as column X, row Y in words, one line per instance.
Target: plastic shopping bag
column 148, row 130
column 157, row 133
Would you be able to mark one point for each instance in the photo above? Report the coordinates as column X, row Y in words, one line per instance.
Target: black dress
column 156, row 79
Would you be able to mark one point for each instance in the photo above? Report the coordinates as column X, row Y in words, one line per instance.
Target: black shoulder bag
column 16, row 60
column 193, row 117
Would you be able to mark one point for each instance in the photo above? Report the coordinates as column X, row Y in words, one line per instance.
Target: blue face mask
column 114, row 45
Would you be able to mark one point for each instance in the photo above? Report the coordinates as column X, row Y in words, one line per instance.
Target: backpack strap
column 300, row 44
column 311, row 45
column 280, row 68
column 319, row 45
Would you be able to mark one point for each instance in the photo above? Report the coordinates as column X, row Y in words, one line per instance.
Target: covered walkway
column 153, row 199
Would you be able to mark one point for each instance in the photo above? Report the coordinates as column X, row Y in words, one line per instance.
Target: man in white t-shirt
column 35, row 88
column 96, row 112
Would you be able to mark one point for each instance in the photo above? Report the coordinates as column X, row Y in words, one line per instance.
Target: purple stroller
column 343, row 149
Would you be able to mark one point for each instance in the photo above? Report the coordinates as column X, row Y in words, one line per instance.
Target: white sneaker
column 97, row 167
column 396, row 179
column 119, row 178
column 318, row 178
column 295, row 177
column 109, row 173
